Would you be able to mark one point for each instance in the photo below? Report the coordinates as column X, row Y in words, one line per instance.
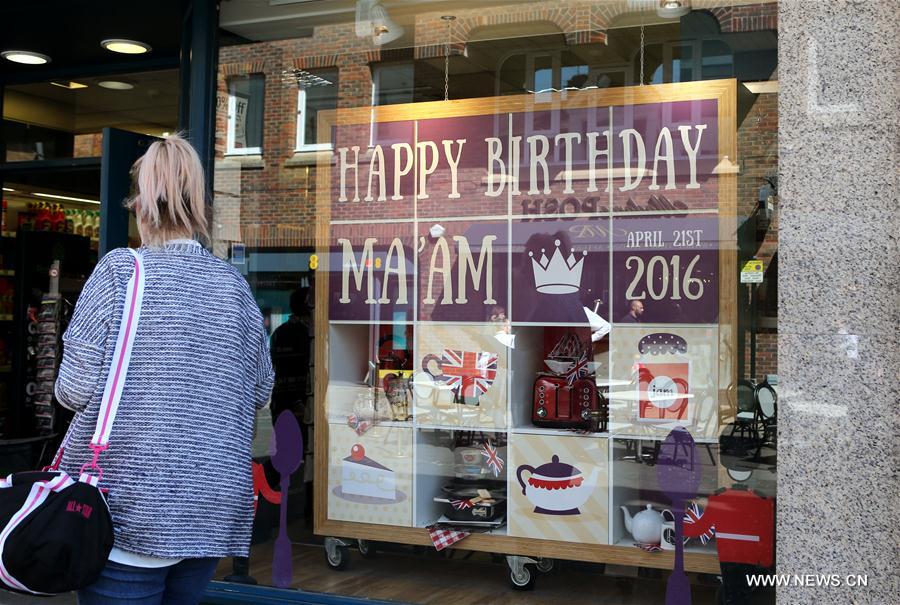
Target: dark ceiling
column 70, row 32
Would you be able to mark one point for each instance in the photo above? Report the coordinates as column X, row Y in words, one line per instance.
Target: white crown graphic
column 557, row 275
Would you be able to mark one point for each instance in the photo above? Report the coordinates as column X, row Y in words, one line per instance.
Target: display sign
column 539, row 251
column 617, row 209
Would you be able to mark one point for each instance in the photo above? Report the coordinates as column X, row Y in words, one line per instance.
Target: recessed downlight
column 115, row 85
column 126, row 47
column 25, row 56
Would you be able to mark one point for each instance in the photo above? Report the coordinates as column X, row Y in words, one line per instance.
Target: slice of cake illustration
column 362, row 476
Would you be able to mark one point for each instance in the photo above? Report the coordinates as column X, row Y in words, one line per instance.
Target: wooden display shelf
column 622, row 552
column 510, row 545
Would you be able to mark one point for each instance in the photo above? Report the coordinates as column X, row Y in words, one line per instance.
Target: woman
column 178, row 467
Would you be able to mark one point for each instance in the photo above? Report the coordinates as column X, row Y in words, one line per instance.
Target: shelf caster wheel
column 367, row 549
column 525, row 579
column 545, row 565
column 337, row 554
column 522, row 572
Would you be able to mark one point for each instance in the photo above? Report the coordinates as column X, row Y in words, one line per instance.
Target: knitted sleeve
column 265, row 374
column 84, row 342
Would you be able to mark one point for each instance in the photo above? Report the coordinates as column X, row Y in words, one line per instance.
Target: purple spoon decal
column 286, row 460
column 678, row 474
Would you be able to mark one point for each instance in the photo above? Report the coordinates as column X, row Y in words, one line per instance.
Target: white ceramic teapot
column 645, row 526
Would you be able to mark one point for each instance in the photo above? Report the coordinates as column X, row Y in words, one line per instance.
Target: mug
column 667, row 533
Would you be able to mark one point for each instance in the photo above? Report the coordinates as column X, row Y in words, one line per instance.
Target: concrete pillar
column 839, row 298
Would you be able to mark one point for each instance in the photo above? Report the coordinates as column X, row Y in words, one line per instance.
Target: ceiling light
column 115, row 85
column 68, row 85
column 66, row 198
column 8, row 189
column 25, row 56
column 669, row 9
column 126, row 47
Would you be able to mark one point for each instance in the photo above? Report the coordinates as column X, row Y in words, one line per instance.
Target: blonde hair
column 171, row 193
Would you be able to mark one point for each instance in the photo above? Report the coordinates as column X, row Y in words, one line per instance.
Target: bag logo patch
column 84, row 510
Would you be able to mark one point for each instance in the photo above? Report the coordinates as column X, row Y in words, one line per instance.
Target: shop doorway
column 59, row 218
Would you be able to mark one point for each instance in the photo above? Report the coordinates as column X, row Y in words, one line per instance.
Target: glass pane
column 543, row 73
column 717, row 60
column 321, row 93
column 248, row 99
column 682, row 63
column 394, row 84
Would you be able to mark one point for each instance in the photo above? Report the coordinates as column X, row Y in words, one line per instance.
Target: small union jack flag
column 461, row 504
column 468, row 373
column 692, row 514
column 579, row 370
column 494, row 461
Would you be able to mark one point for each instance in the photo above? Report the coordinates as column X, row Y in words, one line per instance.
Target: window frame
column 299, row 145
column 230, row 149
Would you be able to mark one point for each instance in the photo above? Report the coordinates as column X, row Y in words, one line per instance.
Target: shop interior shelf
column 436, row 467
column 536, row 430
column 527, row 362
column 694, row 546
column 458, row 427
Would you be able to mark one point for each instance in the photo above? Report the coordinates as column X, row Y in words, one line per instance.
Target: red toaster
column 558, row 404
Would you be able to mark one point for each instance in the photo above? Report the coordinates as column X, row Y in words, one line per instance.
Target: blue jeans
column 179, row 584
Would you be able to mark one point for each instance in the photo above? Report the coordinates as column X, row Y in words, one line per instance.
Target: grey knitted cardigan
column 178, row 467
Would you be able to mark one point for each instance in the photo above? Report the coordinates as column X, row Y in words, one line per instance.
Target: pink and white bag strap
column 115, row 381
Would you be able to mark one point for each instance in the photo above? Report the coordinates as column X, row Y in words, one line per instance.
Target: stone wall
column 838, row 509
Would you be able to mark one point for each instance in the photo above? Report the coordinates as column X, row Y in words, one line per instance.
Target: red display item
column 557, row 404
column 744, row 525
column 656, row 382
column 44, row 220
column 357, row 452
column 261, row 486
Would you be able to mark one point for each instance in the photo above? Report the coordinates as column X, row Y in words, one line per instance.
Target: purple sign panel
column 463, row 270
column 559, row 268
column 453, row 166
column 373, row 171
column 371, row 272
column 666, row 269
column 561, row 161
column 664, row 156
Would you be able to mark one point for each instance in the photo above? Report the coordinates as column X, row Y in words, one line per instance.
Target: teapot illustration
column 557, row 488
column 645, row 526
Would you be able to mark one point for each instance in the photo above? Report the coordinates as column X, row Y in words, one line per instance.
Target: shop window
column 317, row 92
column 246, row 101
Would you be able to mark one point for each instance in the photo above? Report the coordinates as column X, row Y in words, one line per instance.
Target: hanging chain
column 449, row 20
column 642, row 56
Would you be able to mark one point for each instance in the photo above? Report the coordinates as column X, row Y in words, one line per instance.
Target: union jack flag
column 469, row 373
column 493, row 459
column 692, row 514
column 579, row 370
